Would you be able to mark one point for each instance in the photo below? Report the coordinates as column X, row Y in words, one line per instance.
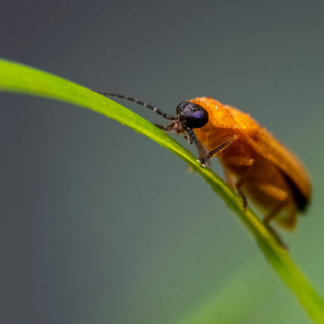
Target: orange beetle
column 254, row 162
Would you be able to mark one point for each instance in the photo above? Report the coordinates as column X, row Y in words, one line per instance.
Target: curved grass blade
column 26, row 80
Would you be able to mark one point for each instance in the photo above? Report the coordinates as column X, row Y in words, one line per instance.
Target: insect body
column 254, row 162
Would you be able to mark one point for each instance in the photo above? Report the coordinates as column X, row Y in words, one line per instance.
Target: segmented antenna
column 139, row 102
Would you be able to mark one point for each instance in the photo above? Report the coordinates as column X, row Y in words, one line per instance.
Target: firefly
column 255, row 164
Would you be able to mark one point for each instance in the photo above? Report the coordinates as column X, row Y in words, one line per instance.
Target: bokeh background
column 102, row 225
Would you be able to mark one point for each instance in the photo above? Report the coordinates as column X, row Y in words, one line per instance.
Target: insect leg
column 282, row 197
column 166, row 128
column 193, row 139
column 277, row 237
column 267, row 219
column 240, row 162
column 229, row 179
column 217, row 150
column 248, row 163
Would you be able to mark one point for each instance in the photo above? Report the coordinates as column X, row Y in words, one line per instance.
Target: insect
column 254, row 162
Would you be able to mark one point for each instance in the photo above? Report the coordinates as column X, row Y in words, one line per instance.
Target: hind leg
column 278, row 195
column 281, row 198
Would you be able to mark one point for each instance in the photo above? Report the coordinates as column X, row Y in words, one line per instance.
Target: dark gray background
column 100, row 224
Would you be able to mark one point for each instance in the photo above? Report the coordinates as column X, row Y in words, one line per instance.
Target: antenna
column 139, row 102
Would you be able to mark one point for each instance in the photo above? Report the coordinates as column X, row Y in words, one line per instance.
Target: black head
column 192, row 115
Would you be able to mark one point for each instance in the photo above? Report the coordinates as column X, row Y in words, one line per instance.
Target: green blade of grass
column 26, row 80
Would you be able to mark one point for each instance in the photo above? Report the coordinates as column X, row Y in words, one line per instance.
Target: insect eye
column 193, row 115
column 181, row 107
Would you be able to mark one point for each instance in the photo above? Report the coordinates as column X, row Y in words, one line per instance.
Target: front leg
column 166, row 128
column 193, row 139
column 217, row 150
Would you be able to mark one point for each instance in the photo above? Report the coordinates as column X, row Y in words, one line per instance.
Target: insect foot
column 202, row 162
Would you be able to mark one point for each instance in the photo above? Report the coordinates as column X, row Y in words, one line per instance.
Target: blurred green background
column 100, row 224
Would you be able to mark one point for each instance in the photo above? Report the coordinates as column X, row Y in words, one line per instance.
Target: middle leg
column 246, row 163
